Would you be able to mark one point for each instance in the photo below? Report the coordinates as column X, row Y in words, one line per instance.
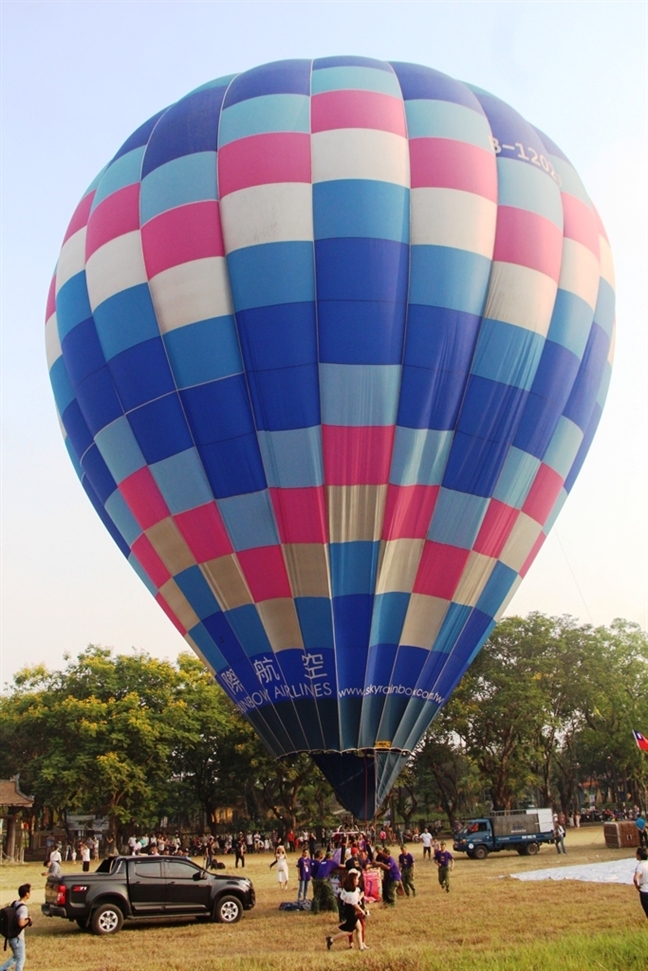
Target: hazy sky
column 79, row 77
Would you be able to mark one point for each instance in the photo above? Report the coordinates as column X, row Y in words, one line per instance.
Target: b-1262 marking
column 540, row 160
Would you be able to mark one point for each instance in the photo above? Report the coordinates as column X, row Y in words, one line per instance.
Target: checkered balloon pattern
column 329, row 341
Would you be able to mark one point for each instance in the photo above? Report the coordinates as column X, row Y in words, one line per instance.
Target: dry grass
column 486, row 923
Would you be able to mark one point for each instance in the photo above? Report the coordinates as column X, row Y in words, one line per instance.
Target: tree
column 619, row 703
column 499, row 708
column 445, row 775
column 136, row 739
column 293, row 789
column 404, row 795
column 214, row 756
column 546, row 700
column 96, row 737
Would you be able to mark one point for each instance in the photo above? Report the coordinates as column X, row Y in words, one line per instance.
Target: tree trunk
column 11, row 835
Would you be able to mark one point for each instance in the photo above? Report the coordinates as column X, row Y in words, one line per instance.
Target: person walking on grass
column 640, row 878
column 445, row 863
column 17, row 939
column 406, row 865
column 281, row 863
column 559, row 838
column 352, row 927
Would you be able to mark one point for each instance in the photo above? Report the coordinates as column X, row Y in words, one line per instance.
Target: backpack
column 9, row 923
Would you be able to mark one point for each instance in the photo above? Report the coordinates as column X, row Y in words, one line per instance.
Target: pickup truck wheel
column 532, row 848
column 480, row 852
column 228, row 910
column 107, row 919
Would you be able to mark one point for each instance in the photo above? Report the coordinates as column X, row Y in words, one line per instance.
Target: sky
column 79, row 77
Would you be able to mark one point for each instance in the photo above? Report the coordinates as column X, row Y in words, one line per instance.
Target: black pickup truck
column 145, row 887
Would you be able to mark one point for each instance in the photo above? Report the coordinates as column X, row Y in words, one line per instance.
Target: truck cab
column 475, row 839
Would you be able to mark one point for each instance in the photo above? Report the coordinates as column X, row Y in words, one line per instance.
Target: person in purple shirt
column 445, row 863
column 304, row 865
column 406, row 864
column 323, row 896
column 391, row 876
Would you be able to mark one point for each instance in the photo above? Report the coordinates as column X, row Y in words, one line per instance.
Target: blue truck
column 523, row 831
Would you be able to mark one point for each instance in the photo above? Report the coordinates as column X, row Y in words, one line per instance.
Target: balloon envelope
column 329, row 341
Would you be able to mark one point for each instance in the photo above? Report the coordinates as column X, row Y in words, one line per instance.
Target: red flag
column 641, row 741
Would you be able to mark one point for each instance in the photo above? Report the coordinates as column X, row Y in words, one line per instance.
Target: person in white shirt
column 352, row 926
column 17, row 942
column 426, row 840
column 640, row 878
column 85, row 857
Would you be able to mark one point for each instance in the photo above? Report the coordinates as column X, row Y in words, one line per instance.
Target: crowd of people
column 351, row 871
column 336, row 871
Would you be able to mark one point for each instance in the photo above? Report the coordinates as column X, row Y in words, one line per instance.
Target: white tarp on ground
column 615, row 871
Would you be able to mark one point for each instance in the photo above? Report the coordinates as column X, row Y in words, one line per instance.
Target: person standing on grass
column 445, row 863
column 391, row 876
column 304, row 865
column 208, row 853
column 640, row 878
column 323, row 896
column 559, row 838
column 85, row 857
column 17, row 941
column 406, row 864
column 53, row 872
column 426, row 840
column 317, row 861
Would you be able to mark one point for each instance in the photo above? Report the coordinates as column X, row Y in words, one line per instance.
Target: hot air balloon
column 329, row 341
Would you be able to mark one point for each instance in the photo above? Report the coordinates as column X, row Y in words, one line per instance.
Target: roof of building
column 10, row 794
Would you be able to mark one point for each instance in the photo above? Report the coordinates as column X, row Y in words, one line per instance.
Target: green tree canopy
column 136, row 739
column 547, row 700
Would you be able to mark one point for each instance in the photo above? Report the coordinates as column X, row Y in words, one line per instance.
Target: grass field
column 486, row 923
